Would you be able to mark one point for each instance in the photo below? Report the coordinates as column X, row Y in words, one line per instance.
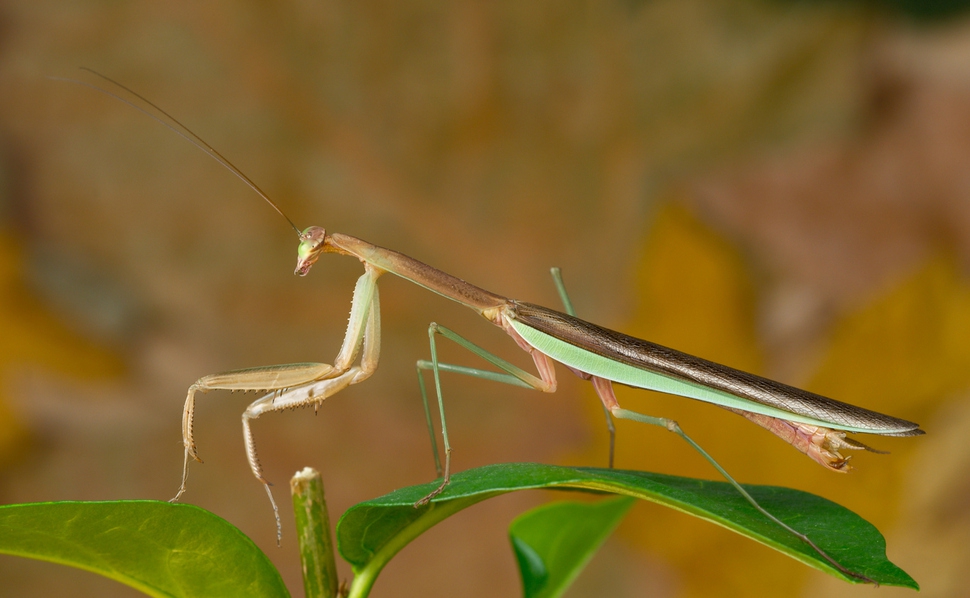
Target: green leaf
column 159, row 548
column 532, row 567
column 554, row 542
column 370, row 533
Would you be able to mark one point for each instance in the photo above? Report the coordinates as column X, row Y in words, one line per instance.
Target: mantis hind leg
column 568, row 306
column 604, row 388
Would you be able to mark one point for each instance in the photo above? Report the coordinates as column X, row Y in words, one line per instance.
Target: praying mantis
column 813, row 424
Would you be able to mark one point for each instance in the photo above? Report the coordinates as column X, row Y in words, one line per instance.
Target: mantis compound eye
column 312, row 242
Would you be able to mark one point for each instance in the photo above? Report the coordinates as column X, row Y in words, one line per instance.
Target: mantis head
column 312, row 244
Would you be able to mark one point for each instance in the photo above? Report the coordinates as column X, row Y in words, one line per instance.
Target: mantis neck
column 419, row 273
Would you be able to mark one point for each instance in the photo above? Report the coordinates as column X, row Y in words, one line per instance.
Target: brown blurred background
column 782, row 187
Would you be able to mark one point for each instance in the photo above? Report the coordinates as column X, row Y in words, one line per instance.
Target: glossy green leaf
column 370, row 533
column 553, row 542
column 159, row 548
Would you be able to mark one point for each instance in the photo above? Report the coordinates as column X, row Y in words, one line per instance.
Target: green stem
column 313, row 533
column 365, row 577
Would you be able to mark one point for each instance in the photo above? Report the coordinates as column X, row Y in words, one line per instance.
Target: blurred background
column 783, row 187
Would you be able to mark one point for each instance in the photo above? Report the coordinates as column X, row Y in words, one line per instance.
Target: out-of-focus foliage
column 35, row 338
column 820, row 149
column 902, row 353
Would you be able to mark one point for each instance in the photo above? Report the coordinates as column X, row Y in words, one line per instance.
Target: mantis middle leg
column 509, row 374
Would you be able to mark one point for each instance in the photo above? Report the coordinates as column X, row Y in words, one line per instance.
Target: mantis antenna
column 182, row 131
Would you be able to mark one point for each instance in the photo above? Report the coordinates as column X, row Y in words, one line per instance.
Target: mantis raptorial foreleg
column 297, row 385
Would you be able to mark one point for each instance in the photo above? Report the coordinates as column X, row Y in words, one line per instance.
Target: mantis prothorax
column 813, row 424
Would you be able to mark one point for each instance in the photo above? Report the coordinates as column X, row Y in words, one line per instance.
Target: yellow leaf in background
column 908, row 353
column 907, row 349
column 901, row 354
column 695, row 295
column 33, row 336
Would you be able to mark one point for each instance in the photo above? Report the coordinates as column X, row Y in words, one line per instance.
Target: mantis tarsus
column 813, row 424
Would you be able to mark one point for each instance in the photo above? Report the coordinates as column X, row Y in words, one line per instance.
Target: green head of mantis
column 313, row 241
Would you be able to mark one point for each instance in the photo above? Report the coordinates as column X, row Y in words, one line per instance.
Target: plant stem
column 364, row 577
column 313, row 533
